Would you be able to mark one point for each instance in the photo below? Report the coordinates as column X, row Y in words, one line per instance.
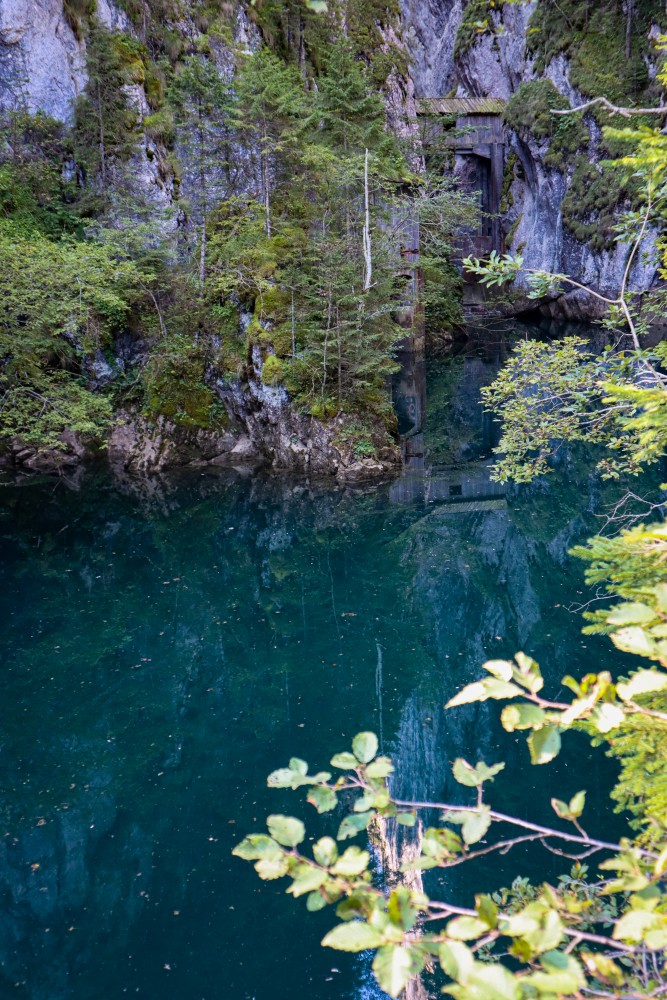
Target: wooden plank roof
column 460, row 106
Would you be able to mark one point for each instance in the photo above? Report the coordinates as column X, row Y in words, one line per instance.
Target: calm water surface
column 168, row 643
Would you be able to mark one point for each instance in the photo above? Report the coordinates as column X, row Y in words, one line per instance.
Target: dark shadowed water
column 168, row 643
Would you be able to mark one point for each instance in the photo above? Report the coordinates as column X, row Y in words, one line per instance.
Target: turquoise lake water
column 168, row 643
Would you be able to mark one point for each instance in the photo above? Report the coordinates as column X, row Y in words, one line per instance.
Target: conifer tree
column 348, row 113
column 104, row 128
column 272, row 103
column 204, row 111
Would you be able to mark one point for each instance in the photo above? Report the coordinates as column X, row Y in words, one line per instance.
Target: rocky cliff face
column 261, row 428
column 43, row 68
column 42, row 57
column 495, row 62
column 42, row 64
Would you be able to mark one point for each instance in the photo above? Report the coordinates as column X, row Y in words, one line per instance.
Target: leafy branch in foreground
column 566, row 935
column 550, row 393
column 579, row 937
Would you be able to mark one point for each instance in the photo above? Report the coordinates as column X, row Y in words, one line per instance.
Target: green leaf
column 352, row 936
column 256, row 845
column 307, row 879
column 476, row 824
column 401, row 909
column 394, row 966
column 286, row 830
column 325, row 851
column 456, row 960
column 487, row 982
column 561, row 809
column 464, row 773
column 643, row 682
column 487, row 911
column 324, row 799
column 544, row 744
column 381, row 767
column 563, row 974
column 354, row 824
column 270, row 868
column 482, row 690
column 316, row 902
column 522, row 716
column 298, row 766
column 365, row 747
column 352, row 862
column 406, row 819
column 471, row 776
column 466, row 928
column 539, row 927
column 372, row 800
column 344, row 761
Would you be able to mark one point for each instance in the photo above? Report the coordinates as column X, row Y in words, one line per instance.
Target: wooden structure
column 472, row 128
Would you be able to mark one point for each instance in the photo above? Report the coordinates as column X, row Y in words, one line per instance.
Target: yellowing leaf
column 606, row 717
column 634, row 640
column 634, row 925
column 501, row 669
column 629, row 613
column 345, row 761
column 270, row 868
column 643, row 682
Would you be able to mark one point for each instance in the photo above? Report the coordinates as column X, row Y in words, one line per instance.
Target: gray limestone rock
column 495, row 65
column 42, row 63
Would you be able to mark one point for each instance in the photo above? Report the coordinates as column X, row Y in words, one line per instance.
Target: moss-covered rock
column 593, row 37
column 273, row 370
column 590, row 207
column 529, row 113
column 174, row 383
column 477, row 20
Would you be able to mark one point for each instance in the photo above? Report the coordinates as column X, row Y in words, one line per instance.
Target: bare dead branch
column 613, row 109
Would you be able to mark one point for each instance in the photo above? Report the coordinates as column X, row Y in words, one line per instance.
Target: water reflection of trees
column 170, row 643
